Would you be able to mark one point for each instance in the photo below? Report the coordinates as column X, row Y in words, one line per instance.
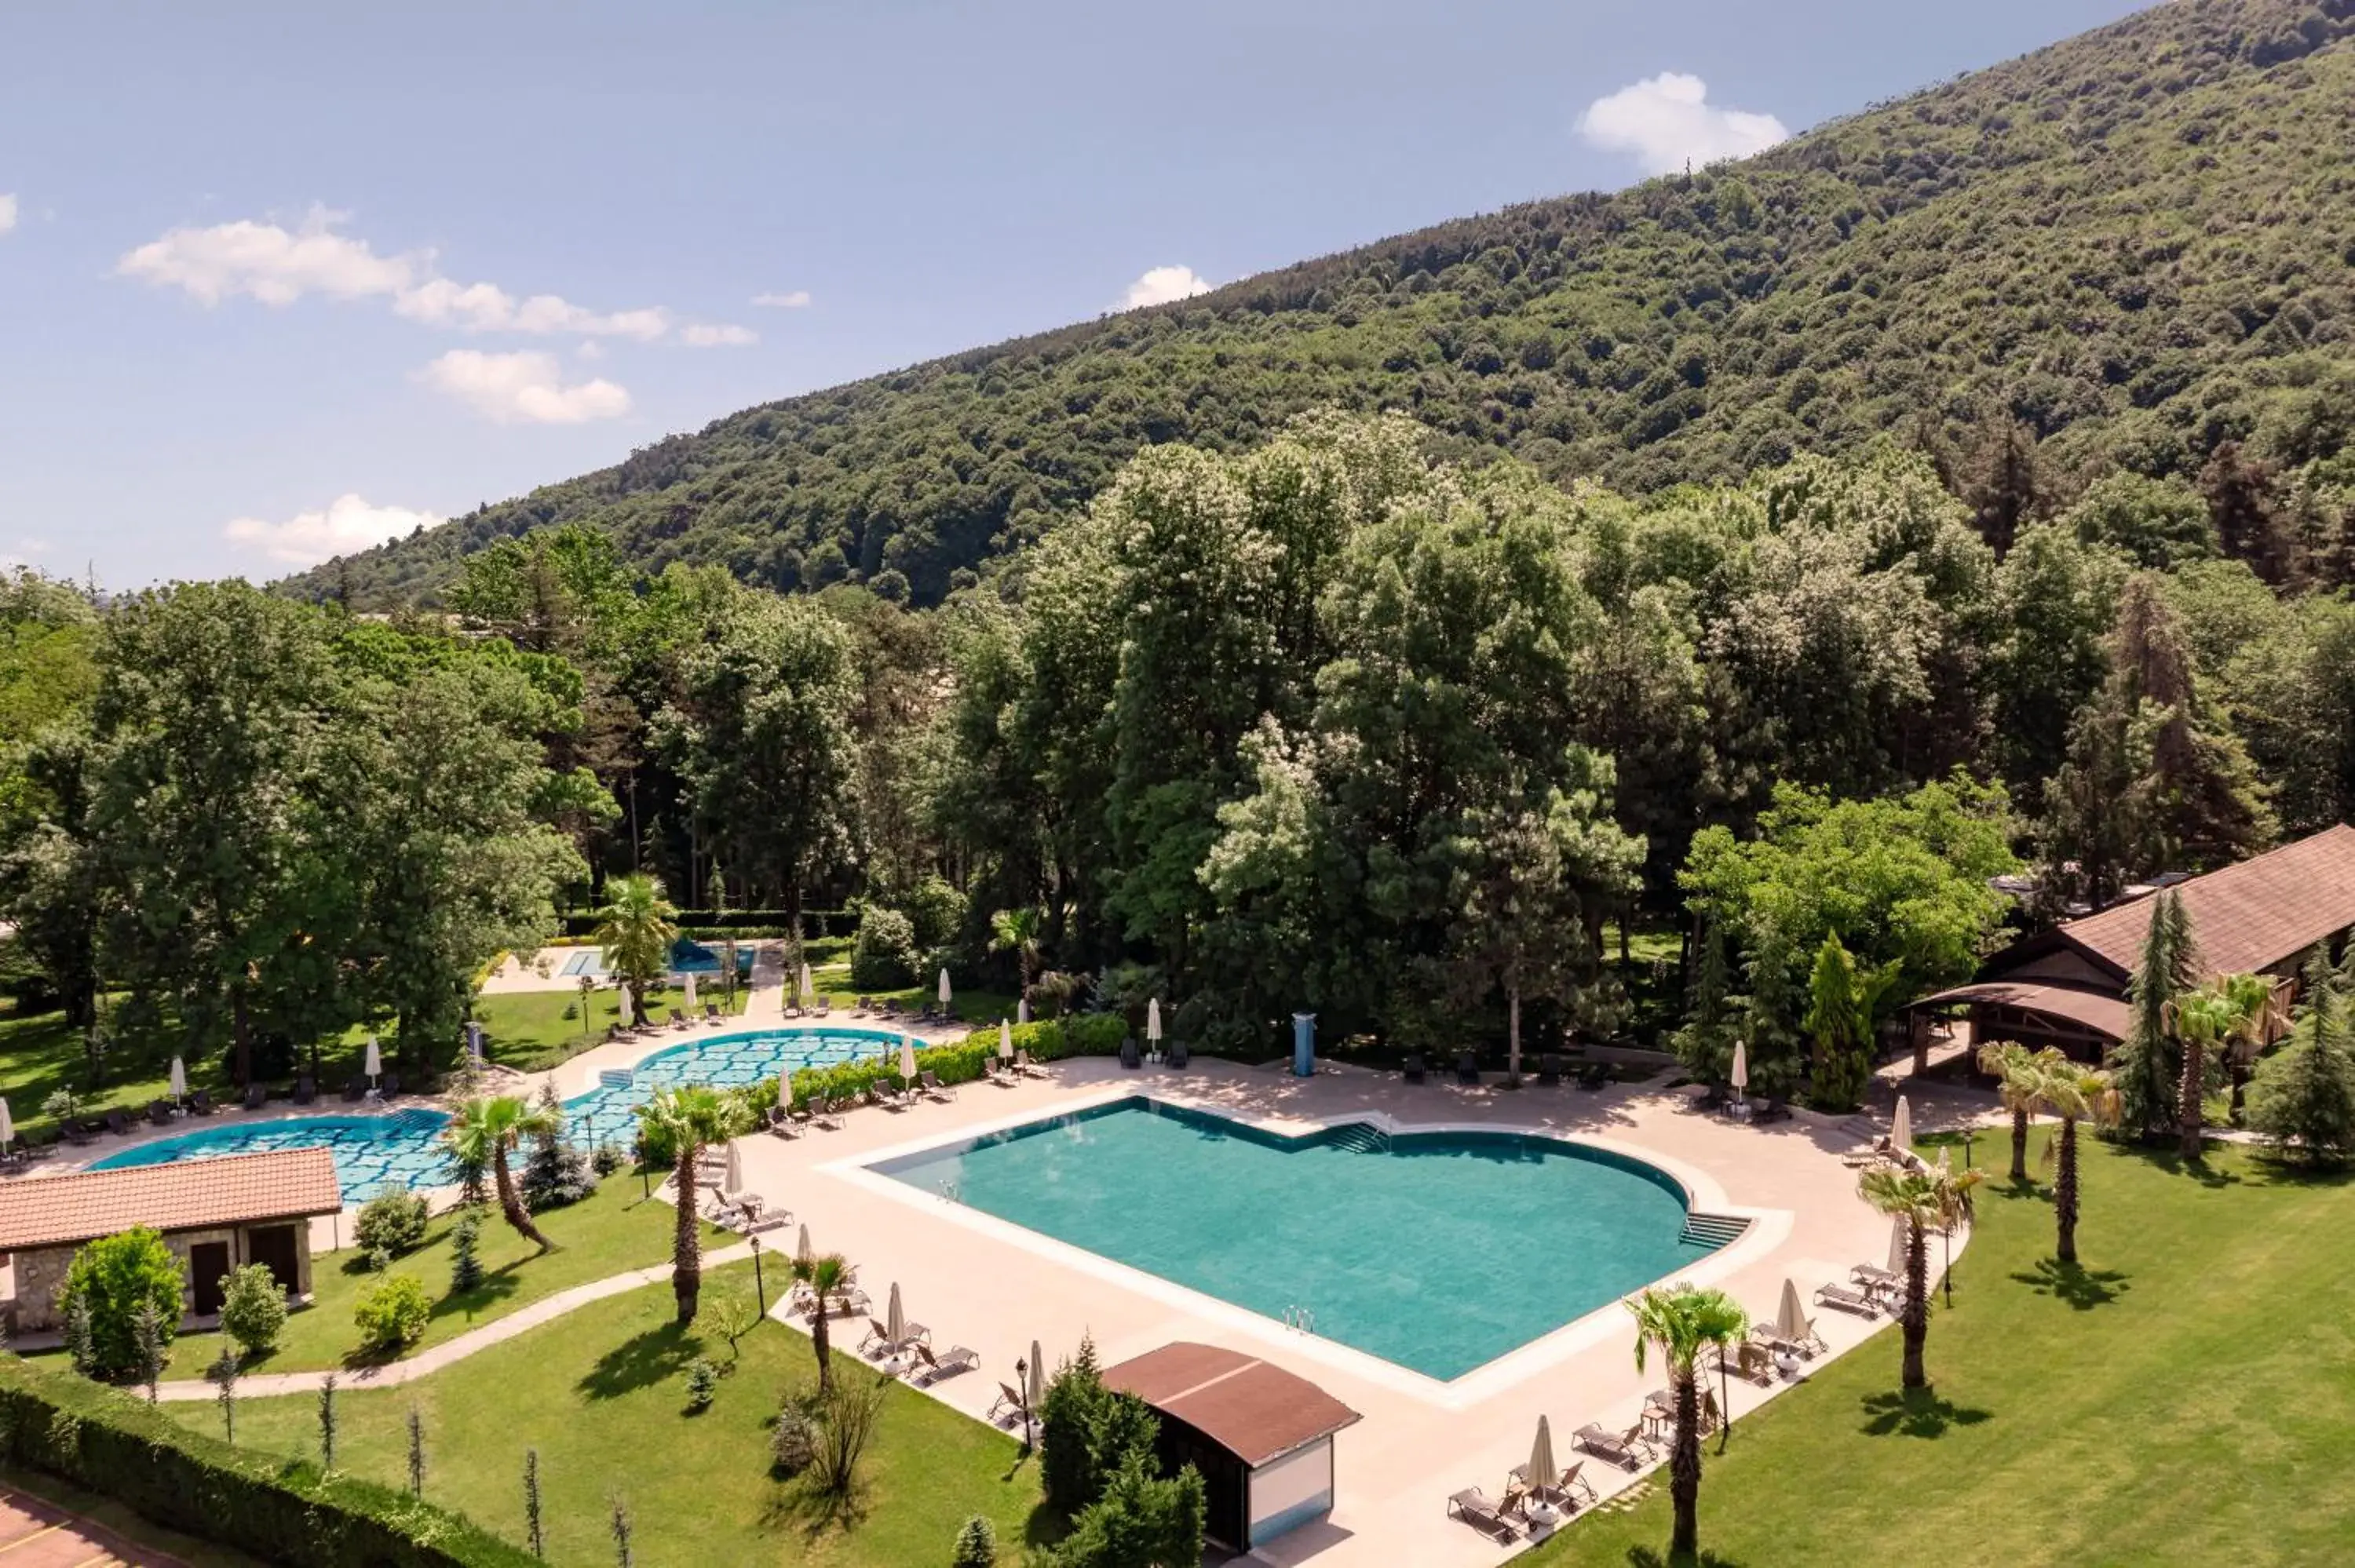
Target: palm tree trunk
column 1513, row 1032
column 509, row 1204
column 687, row 1245
column 2189, row 1110
column 2019, row 1144
column 2064, row 1193
column 824, row 1351
column 1916, row 1316
column 1684, row 1469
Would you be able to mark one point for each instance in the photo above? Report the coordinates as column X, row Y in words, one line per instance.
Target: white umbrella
column 1791, row 1317
column 625, row 1006
column 801, row 1247
column 1022, row 1010
column 690, row 991
column 1034, row 1381
column 374, row 1063
column 1542, row 1471
column 1153, row 1019
column 1740, row 1076
column 906, row 1059
column 734, row 1181
column 1900, row 1127
column 1943, row 1152
column 945, row 985
column 7, row 1125
column 179, row 1079
column 1004, row 1040
column 895, row 1320
column 1897, row 1240
column 808, row 990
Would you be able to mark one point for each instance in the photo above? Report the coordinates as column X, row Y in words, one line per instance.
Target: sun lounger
column 783, row 1123
column 1472, row 1505
column 929, row 1083
column 1176, row 1055
column 159, row 1112
column 930, row 1368
column 882, row 1094
column 1748, row 1360
column 1467, row 1070
column 1833, row 1294
column 863, row 1006
column 256, row 1097
column 1625, row 1450
column 1026, row 1066
column 1562, row 1491
column 1129, row 1056
column 826, row 1117
column 201, row 1103
column 1008, row 1402
column 824, row 1008
column 1593, row 1076
column 356, row 1089
column 1770, row 1110
column 1549, row 1069
column 118, row 1123
column 1415, row 1068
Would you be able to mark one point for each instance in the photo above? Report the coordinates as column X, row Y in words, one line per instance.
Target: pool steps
column 1362, row 1136
column 1714, row 1230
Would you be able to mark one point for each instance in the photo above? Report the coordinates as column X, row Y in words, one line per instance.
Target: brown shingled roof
column 2249, row 917
column 1256, row 1411
column 2102, row 1014
column 188, row 1194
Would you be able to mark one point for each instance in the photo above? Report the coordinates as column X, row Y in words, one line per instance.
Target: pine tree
column 466, row 1251
column 2303, row 1101
column 1705, row 1044
column 2149, row 1061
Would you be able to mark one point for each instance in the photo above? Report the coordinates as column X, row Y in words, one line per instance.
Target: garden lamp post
column 760, row 1286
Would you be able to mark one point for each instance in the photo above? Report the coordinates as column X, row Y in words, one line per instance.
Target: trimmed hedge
column 1086, row 1034
column 109, row 1443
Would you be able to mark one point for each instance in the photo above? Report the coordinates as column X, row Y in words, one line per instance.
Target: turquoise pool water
column 403, row 1146
column 1437, row 1251
column 687, row 957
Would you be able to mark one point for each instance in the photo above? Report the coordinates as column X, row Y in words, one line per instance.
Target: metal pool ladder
column 1300, row 1317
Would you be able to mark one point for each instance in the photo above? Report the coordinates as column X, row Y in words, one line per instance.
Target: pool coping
column 1768, row 1228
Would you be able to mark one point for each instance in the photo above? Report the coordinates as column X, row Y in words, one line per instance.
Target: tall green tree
column 2019, row 1075
column 2149, row 1060
column 686, row 1120
column 2074, row 1093
column 2210, row 1023
column 1681, row 1321
column 1922, row 1201
column 1843, row 1006
column 2303, row 1101
column 826, row 1274
column 635, row 933
column 482, row 1133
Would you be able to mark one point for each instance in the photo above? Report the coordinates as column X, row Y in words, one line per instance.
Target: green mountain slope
column 2140, row 243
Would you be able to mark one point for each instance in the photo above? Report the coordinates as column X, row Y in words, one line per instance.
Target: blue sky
column 277, row 278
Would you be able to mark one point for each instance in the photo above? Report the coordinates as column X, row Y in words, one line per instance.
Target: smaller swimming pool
column 686, row 958
column 404, row 1146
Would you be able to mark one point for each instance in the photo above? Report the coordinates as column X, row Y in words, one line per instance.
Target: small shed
column 1261, row 1437
column 215, row 1215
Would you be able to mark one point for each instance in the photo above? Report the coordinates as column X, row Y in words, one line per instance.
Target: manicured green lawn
column 2187, row 1395
column 975, row 1007
column 599, row 1394
column 614, row 1231
column 40, row 1054
column 528, row 1030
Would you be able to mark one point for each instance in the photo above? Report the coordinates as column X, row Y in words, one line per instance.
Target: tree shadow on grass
column 1916, row 1412
column 2082, row 1288
column 1651, row 1557
column 802, row 1504
column 641, row 1362
column 2170, row 1159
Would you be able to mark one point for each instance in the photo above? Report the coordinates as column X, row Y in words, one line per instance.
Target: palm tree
column 2017, row 1072
column 2074, row 1093
column 482, row 1130
column 687, row 1117
column 827, row 1275
column 1924, row 1201
column 2250, row 1000
column 634, row 931
column 1016, row 931
column 1682, row 1320
column 2203, row 1020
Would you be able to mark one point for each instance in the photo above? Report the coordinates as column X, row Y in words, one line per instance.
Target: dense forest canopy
column 2129, row 253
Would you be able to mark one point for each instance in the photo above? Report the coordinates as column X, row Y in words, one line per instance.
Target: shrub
column 792, row 1442
column 846, row 1420
column 936, row 912
column 884, row 955
column 606, row 1159
column 253, row 1309
column 702, row 1383
column 109, row 1279
column 62, row 1105
column 393, row 1221
column 466, row 1251
column 976, row 1545
column 1139, row 1518
column 556, row 1173
column 392, row 1313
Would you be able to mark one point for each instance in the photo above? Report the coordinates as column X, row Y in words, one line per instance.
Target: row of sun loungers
column 1503, row 1521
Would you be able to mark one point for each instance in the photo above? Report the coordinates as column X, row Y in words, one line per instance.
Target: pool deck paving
column 37, row 1533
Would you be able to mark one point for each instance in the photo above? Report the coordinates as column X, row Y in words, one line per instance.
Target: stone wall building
column 215, row 1215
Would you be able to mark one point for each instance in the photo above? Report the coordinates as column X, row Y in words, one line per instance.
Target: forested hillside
column 2135, row 248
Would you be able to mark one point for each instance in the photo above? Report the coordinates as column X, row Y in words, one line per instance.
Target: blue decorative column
column 1304, row 1045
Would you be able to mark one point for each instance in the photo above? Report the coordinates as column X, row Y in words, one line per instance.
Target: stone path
column 426, row 1362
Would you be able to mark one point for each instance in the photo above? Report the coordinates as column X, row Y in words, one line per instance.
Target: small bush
column 466, row 1251
column 702, row 1384
column 792, row 1442
column 607, row 1160
column 884, row 955
column 109, row 1280
column 393, row 1221
column 253, row 1309
column 847, row 1422
column 392, row 1313
column 976, row 1545
column 936, row 912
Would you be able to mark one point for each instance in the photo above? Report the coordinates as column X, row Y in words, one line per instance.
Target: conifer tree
column 2303, row 1101
column 2149, row 1061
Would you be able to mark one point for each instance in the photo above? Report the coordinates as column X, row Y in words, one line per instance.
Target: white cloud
column 695, row 335
column 278, row 266
column 348, row 524
column 791, row 302
column 1159, row 285
column 523, row 388
column 1666, row 119
column 8, row 213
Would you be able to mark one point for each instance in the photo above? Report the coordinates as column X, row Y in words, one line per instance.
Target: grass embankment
column 600, row 1393
column 2187, row 1395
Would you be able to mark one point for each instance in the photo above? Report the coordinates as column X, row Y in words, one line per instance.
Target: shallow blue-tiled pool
column 403, row 1147
column 1437, row 1251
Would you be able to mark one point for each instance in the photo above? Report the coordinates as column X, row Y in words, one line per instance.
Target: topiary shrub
column 393, row 1221
column 253, row 1309
column 884, row 955
column 108, row 1281
column 976, row 1545
column 392, row 1314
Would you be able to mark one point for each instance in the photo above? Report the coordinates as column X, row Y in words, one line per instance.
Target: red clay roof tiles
column 189, row 1195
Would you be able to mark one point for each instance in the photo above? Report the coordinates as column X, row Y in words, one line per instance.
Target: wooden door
column 207, row 1266
column 274, row 1244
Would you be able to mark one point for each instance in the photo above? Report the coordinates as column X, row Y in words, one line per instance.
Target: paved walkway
column 36, row 1533
column 392, row 1374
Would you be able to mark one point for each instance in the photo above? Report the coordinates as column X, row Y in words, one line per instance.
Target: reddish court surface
column 37, row 1534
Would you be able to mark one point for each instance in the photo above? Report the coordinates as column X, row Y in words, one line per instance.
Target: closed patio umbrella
column 1004, row 1040
column 374, row 1063
column 1022, row 1010
column 690, row 991
column 1153, row 1020
column 895, row 1320
column 1741, row 1075
column 807, row 991
column 7, row 1125
column 1791, row 1316
column 1900, row 1127
column 1034, row 1381
column 179, row 1079
column 625, row 1006
column 906, row 1059
column 945, row 985
column 733, row 1182
column 1542, row 1472
column 801, row 1247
